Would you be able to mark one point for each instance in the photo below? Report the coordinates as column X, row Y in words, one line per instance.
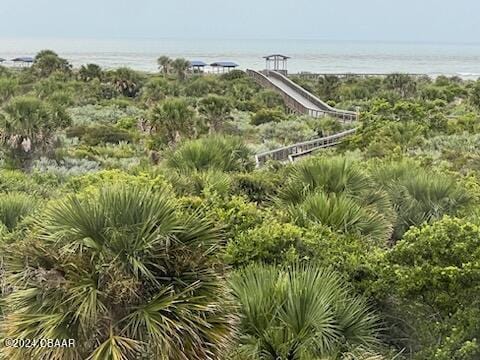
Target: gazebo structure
column 223, row 66
column 23, row 60
column 277, row 62
column 197, row 66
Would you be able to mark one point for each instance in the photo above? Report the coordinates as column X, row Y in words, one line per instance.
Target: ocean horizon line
column 233, row 38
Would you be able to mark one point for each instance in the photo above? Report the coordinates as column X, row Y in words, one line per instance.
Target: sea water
column 316, row 56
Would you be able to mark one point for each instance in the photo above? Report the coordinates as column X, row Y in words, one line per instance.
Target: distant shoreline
column 326, row 57
column 302, row 74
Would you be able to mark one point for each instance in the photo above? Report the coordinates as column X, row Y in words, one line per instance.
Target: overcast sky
column 365, row 20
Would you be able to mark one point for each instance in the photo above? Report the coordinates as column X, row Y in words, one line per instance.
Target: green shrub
column 99, row 134
column 434, row 274
column 258, row 186
column 271, row 242
column 438, row 264
column 234, row 215
column 268, row 98
column 234, row 75
column 200, row 183
column 108, row 177
column 267, row 116
column 127, row 123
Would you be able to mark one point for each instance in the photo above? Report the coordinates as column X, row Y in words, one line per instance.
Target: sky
column 442, row 21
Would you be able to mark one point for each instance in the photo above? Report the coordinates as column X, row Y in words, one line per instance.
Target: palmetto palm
column 164, row 63
column 214, row 152
column 180, row 66
column 328, row 86
column 173, row 118
column 299, row 312
column 14, row 207
column 332, row 175
column 404, row 84
column 342, row 213
column 47, row 62
column 27, row 128
column 90, row 71
column 216, row 110
column 336, row 192
column 123, row 272
column 419, row 195
column 126, row 81
column 8, row 88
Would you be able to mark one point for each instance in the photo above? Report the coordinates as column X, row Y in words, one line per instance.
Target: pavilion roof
column 226, row 64
column 27, row 59
column 198, row 63
column 278, row 56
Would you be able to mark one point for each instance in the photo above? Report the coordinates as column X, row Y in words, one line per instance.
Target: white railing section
column 294, row 151
column 296, row 106
column 324, row 108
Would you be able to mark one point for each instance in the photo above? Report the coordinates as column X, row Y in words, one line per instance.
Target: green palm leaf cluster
column 126, row 274
column 173, row 119
column 216, row 109
column 418, row 195
column 331, row 175
column 337, row 193
column 299, row 312
column 14, row 207
column 27, row 127
column 342, row 213
column 216, row 152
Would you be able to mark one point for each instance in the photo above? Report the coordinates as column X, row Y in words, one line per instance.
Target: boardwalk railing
column 316, row 76
column 324, row 108
column 292, row 103
column 301, row 149
column 296, row 106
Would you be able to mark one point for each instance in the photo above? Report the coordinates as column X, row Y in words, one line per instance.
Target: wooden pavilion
column 223, row 66
column 197, row 66
column 277, row 62
column 23, row 61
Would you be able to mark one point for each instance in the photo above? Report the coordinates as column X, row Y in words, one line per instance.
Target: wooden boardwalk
column 297, row 99
column 293, row 152
column 300, row 101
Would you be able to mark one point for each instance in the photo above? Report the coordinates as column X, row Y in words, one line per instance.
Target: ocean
column 316, row 56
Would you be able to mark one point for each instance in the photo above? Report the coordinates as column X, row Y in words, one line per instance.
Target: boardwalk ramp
column 297, row 99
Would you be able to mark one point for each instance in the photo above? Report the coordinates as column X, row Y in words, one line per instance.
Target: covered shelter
column 197, row 66
column 277, row 62
column 223, row 66
column 23, row 60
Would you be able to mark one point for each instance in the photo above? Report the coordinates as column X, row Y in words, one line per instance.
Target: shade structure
column 198, row 63
column 277, row 62
column 276, row 56
column 24, row 59
column 224, row 64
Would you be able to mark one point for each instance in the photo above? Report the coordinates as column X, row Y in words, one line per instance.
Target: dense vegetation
column 134, row 221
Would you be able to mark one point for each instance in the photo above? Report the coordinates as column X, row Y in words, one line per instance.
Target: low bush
column 99, row 134
column 267, row 116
